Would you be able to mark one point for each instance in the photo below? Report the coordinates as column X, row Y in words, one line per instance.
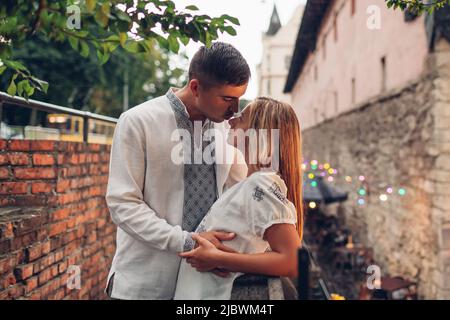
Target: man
column 157, row 202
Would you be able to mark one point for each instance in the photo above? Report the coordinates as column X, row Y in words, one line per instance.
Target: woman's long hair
column 268, row 113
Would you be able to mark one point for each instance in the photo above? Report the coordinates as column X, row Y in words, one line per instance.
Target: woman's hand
column 205, row 257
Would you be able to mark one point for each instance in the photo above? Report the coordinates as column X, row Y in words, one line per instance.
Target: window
column 336, row 102
column 316, row 76
column 353, row 7
column 335, row 29
column 287, row 62
column 268, row 87
column 353, row 90
column 383, row 74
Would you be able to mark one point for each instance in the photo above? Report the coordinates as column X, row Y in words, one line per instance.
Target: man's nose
column 235, row 106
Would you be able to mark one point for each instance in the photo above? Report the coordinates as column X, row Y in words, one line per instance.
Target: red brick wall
column 53, row 215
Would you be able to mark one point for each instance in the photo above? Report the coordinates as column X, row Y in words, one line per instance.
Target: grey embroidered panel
column 200, row 187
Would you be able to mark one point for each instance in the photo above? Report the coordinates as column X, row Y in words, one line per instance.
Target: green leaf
column 123, row 38
column 101, row 18
column 132, row 46
column 231, row 19
column 90, row 4
column 2, row 69
column 163, row 43
column 230, row 30
column 106, row 9
column 102, row 57
column 173, row 43
column 41, row 84
column 15, row 65
column 84, row 49
column 184, row 39
column 12, row 89
column 192, row 8
column 73, row 42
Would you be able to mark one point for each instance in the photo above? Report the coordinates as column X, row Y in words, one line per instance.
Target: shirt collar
column 181, row 109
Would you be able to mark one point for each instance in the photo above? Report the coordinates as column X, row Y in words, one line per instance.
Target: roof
column 275, row 23
column 306, row 39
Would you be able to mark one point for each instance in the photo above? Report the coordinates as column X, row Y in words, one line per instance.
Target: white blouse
column 248, row 208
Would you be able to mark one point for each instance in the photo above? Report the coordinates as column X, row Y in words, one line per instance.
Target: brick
column 44, row 263
column 57, row 228
column 41, row 187
column 3, row 144
column 8, row 280
column 43, row 159
column 6, row 230
column 15, row 292
column 13, row 188
column 43, row 145
column 35, row 173
column 4, row 159
column 19, row 145
column 6, row 264
column 59, row 294
column 59, row 255
column 46, row 246
column 29, row 200
column 60, row 214
column 23, row 241
column 18, row 159
column 23, row 272
column 5, row 246
column 27, row 224
column 62, row 185
column 5, row 173
column 62, row 267
column 33, row 253
column 31, row 284
column 69, row 237
column 44, row 276
column 54, row 271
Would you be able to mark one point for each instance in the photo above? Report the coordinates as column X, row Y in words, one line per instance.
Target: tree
column 100, row 26
column 417, row 6
column 82, row 83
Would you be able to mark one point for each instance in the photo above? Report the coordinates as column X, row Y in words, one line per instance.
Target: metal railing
column 305, row 262
column 53, row 108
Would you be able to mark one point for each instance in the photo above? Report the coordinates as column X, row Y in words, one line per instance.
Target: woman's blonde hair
column 268, row 113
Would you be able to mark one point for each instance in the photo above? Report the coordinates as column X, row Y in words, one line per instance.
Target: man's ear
column 194, row 86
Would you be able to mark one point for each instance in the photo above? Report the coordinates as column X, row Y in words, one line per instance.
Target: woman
column 264, row 210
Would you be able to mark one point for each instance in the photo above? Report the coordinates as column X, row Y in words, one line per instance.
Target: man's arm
column 281, row 261
column 124, row 195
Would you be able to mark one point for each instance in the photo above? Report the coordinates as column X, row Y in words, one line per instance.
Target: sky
column 254, row 16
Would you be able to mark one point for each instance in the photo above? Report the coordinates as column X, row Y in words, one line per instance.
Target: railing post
column 86, row 127
column 303, row 274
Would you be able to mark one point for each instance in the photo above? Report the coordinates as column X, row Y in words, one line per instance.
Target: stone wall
column 399, row 139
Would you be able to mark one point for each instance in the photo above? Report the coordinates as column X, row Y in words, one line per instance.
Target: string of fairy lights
column 313, row 169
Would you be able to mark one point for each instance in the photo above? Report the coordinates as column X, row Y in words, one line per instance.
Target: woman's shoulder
column 267, row 181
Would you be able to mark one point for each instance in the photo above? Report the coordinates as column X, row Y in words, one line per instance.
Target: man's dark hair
column 218, row 65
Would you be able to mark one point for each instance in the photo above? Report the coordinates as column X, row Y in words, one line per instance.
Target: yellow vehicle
column 71, row 128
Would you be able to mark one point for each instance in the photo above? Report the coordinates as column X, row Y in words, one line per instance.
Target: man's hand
column 205, row 257
column 216, row 238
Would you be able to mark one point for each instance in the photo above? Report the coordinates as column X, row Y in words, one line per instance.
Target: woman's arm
column 281, row 261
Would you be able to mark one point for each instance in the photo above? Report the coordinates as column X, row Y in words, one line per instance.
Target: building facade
column 278, row 45
column 371, row 87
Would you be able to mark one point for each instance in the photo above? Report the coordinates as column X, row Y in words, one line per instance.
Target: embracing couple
column 187, row 230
